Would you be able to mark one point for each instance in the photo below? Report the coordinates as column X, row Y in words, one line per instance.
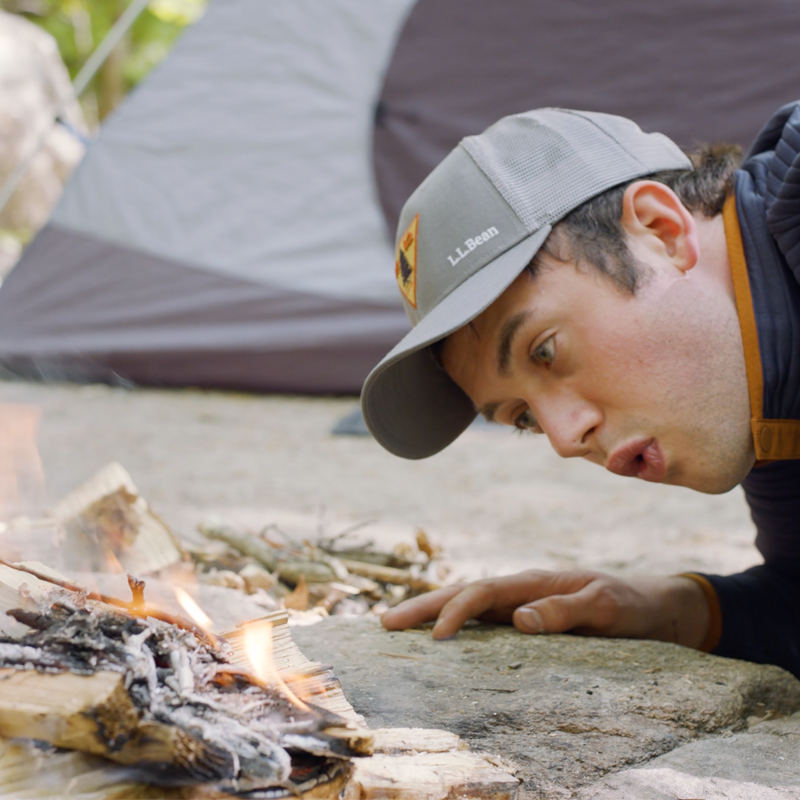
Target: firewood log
column 90, row 713
column 106, row 513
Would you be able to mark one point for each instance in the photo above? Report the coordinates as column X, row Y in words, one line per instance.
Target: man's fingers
column 560, row 613
column 474, row 600
column 420, row 609
column 539, row 602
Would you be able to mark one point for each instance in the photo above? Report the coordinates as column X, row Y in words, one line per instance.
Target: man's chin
column 707, row 482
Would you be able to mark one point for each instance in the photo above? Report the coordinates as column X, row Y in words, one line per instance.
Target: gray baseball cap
column 470, row 229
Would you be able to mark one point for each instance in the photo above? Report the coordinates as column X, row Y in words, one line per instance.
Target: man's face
column 650, row 385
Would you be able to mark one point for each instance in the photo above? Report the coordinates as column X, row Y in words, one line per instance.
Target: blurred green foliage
column 79, row 26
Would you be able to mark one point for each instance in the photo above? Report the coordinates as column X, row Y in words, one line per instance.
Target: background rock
column 33, row 82
column 565, row 710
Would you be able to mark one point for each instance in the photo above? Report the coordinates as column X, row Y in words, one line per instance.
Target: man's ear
column 653, row 217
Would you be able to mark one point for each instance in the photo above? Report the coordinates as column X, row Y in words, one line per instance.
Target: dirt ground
column 496, row 502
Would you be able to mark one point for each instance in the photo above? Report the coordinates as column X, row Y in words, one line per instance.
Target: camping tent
column 228, row 227
column 223, row 229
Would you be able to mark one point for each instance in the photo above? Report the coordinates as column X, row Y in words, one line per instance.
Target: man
column 568, row 274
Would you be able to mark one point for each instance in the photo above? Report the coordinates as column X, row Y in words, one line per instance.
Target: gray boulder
column 564, row 710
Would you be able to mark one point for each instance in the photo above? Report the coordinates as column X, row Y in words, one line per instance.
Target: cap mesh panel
column 547, row 165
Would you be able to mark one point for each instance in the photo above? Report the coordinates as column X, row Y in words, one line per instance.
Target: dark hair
column 592, row 233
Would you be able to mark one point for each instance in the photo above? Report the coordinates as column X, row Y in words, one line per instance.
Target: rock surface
column 762, row 764
column 564, row 710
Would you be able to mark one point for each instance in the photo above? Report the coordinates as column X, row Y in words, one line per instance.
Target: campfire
column 242, row 713
column 174, row 703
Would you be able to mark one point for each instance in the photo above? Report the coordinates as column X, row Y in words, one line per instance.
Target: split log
column 310, row 680
column 107, row 514
column 419, row 764
column 91, row 713
column 29, row 772
column 94, row 714
column 430, row 776
column 411, row 763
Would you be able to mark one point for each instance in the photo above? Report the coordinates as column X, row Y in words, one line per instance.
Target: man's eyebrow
column 488, row 411
column 507, row 333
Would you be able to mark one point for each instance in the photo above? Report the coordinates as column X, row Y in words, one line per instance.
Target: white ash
column 174, row 678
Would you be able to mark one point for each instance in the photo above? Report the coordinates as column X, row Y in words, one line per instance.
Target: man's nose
column 570, row 425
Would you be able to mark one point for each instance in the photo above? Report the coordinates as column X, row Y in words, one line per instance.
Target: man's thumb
column 528, row 620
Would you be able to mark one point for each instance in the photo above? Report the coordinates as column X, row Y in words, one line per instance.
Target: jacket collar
column 762, row 226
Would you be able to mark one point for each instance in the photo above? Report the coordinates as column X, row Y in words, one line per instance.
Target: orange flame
column 258, row 647
column 191, row 607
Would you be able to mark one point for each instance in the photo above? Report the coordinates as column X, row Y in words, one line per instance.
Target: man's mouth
column 639, row 458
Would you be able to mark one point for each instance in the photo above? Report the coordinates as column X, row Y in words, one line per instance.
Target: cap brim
column 410, row 404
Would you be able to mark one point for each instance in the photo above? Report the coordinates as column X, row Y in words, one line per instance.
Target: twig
column 351, row 529
column 246, row 545
column 399, row 577
column 137, row 593
column 400, row 655
column 145, row 611
column 288, row 570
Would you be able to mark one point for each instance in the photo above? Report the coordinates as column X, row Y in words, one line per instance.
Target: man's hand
column 589, row 603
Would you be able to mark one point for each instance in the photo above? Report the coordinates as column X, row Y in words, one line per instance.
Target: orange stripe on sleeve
column 715, row 612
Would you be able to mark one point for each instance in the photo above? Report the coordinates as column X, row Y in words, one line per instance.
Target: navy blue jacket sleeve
column 761, row 607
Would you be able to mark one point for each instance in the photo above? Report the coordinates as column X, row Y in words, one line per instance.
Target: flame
column 112, row 562
column 21, row 472
column 258, row 647
column 191, row 607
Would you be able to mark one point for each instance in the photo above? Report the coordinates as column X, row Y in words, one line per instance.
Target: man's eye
column 545, row 353
column 526, row 421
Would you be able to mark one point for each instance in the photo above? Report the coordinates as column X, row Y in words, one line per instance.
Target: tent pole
column 88, row 71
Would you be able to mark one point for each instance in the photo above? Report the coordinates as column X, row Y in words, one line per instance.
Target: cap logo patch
column 405, row 265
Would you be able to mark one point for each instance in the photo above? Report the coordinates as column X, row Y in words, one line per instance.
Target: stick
column 137, row 592
column 145, row 611
column 288, row 570
column 399, row 577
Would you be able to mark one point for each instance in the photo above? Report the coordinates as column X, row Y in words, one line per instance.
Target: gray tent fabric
column 228, row 228
column 198, row 328
column 696, row 71
column 224, row 229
